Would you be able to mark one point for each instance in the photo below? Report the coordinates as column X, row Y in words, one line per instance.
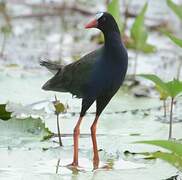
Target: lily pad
column 21, row 131
column 4, row 114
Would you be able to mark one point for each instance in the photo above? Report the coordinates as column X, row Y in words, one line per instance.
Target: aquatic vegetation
column 31, row 129
column 5, row 29
column 59, row 108
column 4, row 114
column 114, row 9
column 166, row 89
column 139, row 36
column 177, row 9
column 174, row 157
column 178, row 42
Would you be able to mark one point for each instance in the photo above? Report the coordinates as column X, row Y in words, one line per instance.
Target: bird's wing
column 72, row 77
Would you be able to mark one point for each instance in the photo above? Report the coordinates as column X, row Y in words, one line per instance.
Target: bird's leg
column 94, row 141
column 75, row 139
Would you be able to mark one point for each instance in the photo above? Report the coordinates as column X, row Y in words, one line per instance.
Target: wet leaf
column 139, row 34
column 135, row 134
column 21, row 111
column 6, row 29
column 174, row 87
column 170, row 158
column 171, row 88
column 174, row 158
column 17, row 131
column 113, row 8
column 158, row 82
column 173, row 38
column 126, row 153
column 59, row 107
column 138, row 31
column 173, row 146
column 2, row 7
column 163, row 93
column 177, row 9
column 4, row 114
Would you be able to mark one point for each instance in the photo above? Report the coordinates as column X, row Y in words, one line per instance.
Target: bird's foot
column 73, row 164
column 95, row 164
column 106, row 167
column 74, row 167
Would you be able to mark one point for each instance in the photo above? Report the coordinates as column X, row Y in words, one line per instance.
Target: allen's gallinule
column 95, row 77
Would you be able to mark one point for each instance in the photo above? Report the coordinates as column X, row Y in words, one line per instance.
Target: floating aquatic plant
column 166, row 89
column 4, row 114
column 174, row 157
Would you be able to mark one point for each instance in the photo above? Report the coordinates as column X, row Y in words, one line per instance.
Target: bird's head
column 103, row 21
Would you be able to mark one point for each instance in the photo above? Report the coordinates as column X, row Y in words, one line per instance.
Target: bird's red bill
column 91, row 24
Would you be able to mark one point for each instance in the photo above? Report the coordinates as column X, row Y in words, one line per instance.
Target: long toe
column 75, row 168
column 73, row 164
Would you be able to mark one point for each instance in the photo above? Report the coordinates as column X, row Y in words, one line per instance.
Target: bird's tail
column 51, row 66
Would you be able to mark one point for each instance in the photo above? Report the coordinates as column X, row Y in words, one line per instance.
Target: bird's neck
column 113, row 42
column 114, row 48
column 112, row 39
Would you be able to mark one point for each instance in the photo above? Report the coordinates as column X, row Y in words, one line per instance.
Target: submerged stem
column 57, row 166
column 135, row 65
column 59, row 134
column 171, row 118
column 164, row 106
column 3, row 44
column 179, row 69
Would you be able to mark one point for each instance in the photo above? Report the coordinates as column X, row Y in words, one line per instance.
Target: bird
column 96, row 77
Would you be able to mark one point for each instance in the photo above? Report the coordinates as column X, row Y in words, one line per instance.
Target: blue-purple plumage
column 96, row 76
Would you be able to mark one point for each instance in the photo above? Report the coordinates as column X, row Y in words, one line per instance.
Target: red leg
column 94, row 141
column 75, row 139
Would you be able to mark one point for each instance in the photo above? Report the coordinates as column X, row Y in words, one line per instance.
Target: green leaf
column 148, row 48
column 173, row 38
column 174, row 158
column 171, row 88
column 158, row 82
column 59, row 107
column 163, row 93
column 171, row 158
column 138, row 30
column 174, row 87
column 173, row 146
column 113, row 8
column 4, row 115
column 6, row 29
column 2, row 7
column 18, row 131
column 139, row 34
column 177, row 9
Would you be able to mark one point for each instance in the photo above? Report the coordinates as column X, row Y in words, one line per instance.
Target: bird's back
column 73, row 77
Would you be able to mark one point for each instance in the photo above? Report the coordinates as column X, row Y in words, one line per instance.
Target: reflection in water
column 95, row 175
column 57, row 166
